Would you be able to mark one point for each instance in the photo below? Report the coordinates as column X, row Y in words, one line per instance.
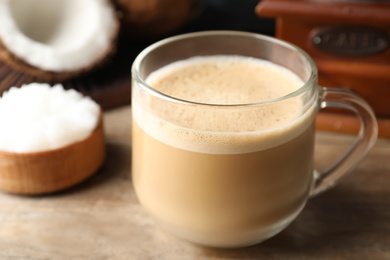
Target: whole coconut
column 154, row 18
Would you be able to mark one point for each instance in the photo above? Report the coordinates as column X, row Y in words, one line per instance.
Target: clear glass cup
column 232, row 197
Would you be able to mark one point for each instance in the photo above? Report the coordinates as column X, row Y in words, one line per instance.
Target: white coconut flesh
column 38, row 117
column 58, row 35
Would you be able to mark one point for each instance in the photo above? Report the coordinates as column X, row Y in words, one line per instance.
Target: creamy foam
column 220, row 79
column 224, row 80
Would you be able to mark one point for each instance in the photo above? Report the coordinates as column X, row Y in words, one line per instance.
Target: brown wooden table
column 102, row 219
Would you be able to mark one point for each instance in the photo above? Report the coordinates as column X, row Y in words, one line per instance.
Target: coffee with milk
column 224, row 177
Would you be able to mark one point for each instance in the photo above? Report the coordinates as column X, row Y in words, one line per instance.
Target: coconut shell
column 154, row 18
column 19, row 64
column 53, row 170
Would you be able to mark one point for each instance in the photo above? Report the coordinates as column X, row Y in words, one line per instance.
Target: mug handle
column 366, row 138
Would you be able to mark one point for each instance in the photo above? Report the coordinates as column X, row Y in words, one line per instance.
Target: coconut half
column 57, row 39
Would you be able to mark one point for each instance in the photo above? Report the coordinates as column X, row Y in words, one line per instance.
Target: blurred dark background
column 229, row 15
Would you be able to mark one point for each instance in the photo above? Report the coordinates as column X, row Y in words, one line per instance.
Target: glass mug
column 203, row 174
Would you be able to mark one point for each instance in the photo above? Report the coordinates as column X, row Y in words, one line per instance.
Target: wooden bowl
column 53, row 170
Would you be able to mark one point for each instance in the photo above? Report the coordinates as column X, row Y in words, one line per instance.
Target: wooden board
column 102, row 219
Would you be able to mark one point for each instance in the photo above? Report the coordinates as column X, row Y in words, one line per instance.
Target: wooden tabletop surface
column 102, row 218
